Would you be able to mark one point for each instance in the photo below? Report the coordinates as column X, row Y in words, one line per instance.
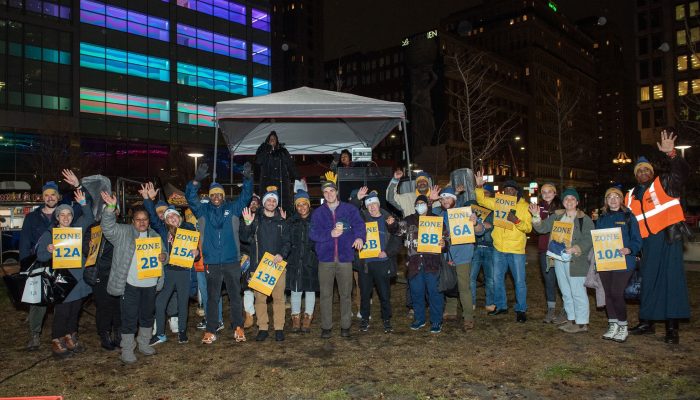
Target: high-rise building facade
column 123, row 87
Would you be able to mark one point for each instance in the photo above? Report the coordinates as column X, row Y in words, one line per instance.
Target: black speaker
column 352, row 179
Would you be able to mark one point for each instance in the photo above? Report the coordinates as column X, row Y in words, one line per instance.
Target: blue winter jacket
column 219, row 238
column 322, row 223
column 631, row 238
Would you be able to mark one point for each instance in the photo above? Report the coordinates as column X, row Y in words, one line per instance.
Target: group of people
column 322, row 248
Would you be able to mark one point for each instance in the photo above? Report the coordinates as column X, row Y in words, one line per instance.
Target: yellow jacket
column 509, row 240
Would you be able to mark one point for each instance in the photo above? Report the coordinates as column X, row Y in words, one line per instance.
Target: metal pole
column 216, row 148
column 408, row 156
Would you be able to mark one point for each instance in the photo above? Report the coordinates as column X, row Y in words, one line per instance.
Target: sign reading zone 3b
column 267, row 274
column 147, row 263
column 429, row 234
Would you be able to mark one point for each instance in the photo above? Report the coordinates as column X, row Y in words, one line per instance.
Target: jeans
column 549, row 279
column 138, row 305
column 573, row 293
column 328, row 274
column 421, row 283
column 278, row 306
column 309, row 304
column 65, row 318
column 249, row 301
column 107, row 312
column 515, row 263
column 483, row 258
column 202, row 285
column 175, row 279
column 231, row 275
column 375, row 275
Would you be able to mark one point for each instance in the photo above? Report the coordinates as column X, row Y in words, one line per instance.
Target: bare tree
column 688, row 110
column 479, row 121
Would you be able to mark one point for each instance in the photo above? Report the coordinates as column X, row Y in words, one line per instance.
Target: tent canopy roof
column 307, row 121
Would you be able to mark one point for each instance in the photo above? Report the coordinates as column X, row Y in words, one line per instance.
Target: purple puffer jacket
column 322, row 223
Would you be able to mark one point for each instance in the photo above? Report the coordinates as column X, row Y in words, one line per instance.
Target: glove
column 247, row 170
column 331, row 177
column 201, row 172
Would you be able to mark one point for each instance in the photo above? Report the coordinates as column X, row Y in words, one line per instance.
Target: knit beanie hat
column 643, row 162
column 216, row 188
column 570, row 192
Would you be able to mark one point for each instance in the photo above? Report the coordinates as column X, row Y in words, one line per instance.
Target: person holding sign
column 220, row 246
column 377, row 259
column 509, row 245
column 483, row 253
column 572, row 227
column 64, row 332
column 549, row 202
column 172, row 228
column 615, row 215
column 463, row 227
column 655, row 202
column 423, row 269
column 264, row 231
column 138, row 293
column 338, row 230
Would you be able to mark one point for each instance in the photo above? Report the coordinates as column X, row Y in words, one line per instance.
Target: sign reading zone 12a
column 429, row 234
column 68, row 247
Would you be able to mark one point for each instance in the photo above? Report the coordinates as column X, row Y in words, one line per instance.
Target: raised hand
column 479, row 178
column 109, row 199
column 283, row 214
column 248, row 216
column 398, row 174
column 362, row 192
column 143, row 191
column 79, row 196
column 434, row 193
column 668, row 141
column 247, row 170
column 202, row 172
column 534, row 209
column 70, row 178
column 152, row 191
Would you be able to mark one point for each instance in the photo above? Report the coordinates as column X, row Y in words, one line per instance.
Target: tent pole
column 408, row 156
column 216, row 149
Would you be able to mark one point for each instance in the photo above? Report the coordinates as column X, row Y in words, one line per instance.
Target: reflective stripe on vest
column 666, row 210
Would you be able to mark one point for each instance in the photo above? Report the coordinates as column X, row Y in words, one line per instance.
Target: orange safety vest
column 657, row 209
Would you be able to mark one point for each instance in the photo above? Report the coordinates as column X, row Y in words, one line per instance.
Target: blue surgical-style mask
column 421, row 208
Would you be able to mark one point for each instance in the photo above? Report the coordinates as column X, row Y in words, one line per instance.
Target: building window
column 646, row 119
column 644, row 93
column 207, row 78
column 260, row 19
column 261, row 87
column 99, row 14
column 225, row 9
column 680, row 37
column 695, row 60
column 261, row 54
column 96, row 101
column 46, row 8
column 658, row 92
column 693, row 9
column 695, row 86
column 195, row 114
column 124, row 62
column 36, row 53
column 682, row 88
column 680, row 12
column 682, row 63
column 211, row 42
column 695, row 34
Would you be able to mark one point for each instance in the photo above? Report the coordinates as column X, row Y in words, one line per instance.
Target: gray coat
column 581, row 238
column 123, row 237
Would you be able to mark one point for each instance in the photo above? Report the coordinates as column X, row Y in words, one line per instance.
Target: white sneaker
column 612, row 330
column 621, row 334
column 174, row 325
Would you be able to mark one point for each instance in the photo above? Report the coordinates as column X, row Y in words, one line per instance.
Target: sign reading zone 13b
column 267, row 274
column 429, row 234
column 147, row 263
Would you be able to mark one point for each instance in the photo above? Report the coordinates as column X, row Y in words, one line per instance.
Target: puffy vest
column 659, row 209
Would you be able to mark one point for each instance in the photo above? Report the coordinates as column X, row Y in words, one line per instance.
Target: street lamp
column 683, row 148
column 195, row 156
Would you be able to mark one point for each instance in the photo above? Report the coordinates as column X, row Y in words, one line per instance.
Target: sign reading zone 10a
column 607, row 245
column 429, row 234
column 461, row 227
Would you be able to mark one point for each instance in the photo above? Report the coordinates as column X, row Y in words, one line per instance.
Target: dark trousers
column 107, row 309
column 614, row 283
column 65, row 318
column 137, row 307
column 549, row 279
column 175, row 279
column 375, row 275
column 231, row 275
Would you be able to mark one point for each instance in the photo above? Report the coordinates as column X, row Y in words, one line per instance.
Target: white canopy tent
column 307, row 121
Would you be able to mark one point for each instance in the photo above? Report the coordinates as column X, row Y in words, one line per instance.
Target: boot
column 72, row 343
column 306, row 323
column 117, row 339
column 143, row 340
column 671, row 331
column 296, row 323
column 34, row 341
column 59, row 349
column 248, row 322
column 645, row 327
column 128, row 345
column 106, row 341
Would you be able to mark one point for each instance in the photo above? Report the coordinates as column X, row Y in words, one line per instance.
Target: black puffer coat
column 300, row 253
column 276, row 169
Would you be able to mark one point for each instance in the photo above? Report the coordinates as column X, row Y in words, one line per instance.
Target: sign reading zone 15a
column 184, row 244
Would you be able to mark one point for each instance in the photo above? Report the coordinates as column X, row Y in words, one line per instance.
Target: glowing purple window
column 96, row 13
column 260, row 20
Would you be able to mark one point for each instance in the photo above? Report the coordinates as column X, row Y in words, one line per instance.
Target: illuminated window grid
column 207, row 78
column 225, row 9
column 261, row 54
column 195, row 114
column 260, row 19
column 658, row 91
column 211, row 42
column 40, row 101
column 43, row 7
column 695, row 60
column 106, row 16
column 36, row 53
column 124, row 62
column 682, row 63
column 261, row 87
column 682, row 88
column 96, row 101
column 644, row 93
column 695, row 85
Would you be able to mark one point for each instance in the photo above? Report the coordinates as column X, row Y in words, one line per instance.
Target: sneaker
column 239, row 335
column 208, row 338
column 59, row 349
column 220, row 327
column 387, row 326
column 345, row 333
column 364, row 325
column 174, row 327
column 520, row 316
column 498, row 312
column 417, row 325
column 262, row 335
column 182, row 338
column 202, row 325
column 279, row 336
column 562, row 318
column 612, row 330
column 435, row 328
column 550, row 316
column 565, row 324
column 325, row 333
column 575, row 328
column 621, row 334
column 158, row 339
